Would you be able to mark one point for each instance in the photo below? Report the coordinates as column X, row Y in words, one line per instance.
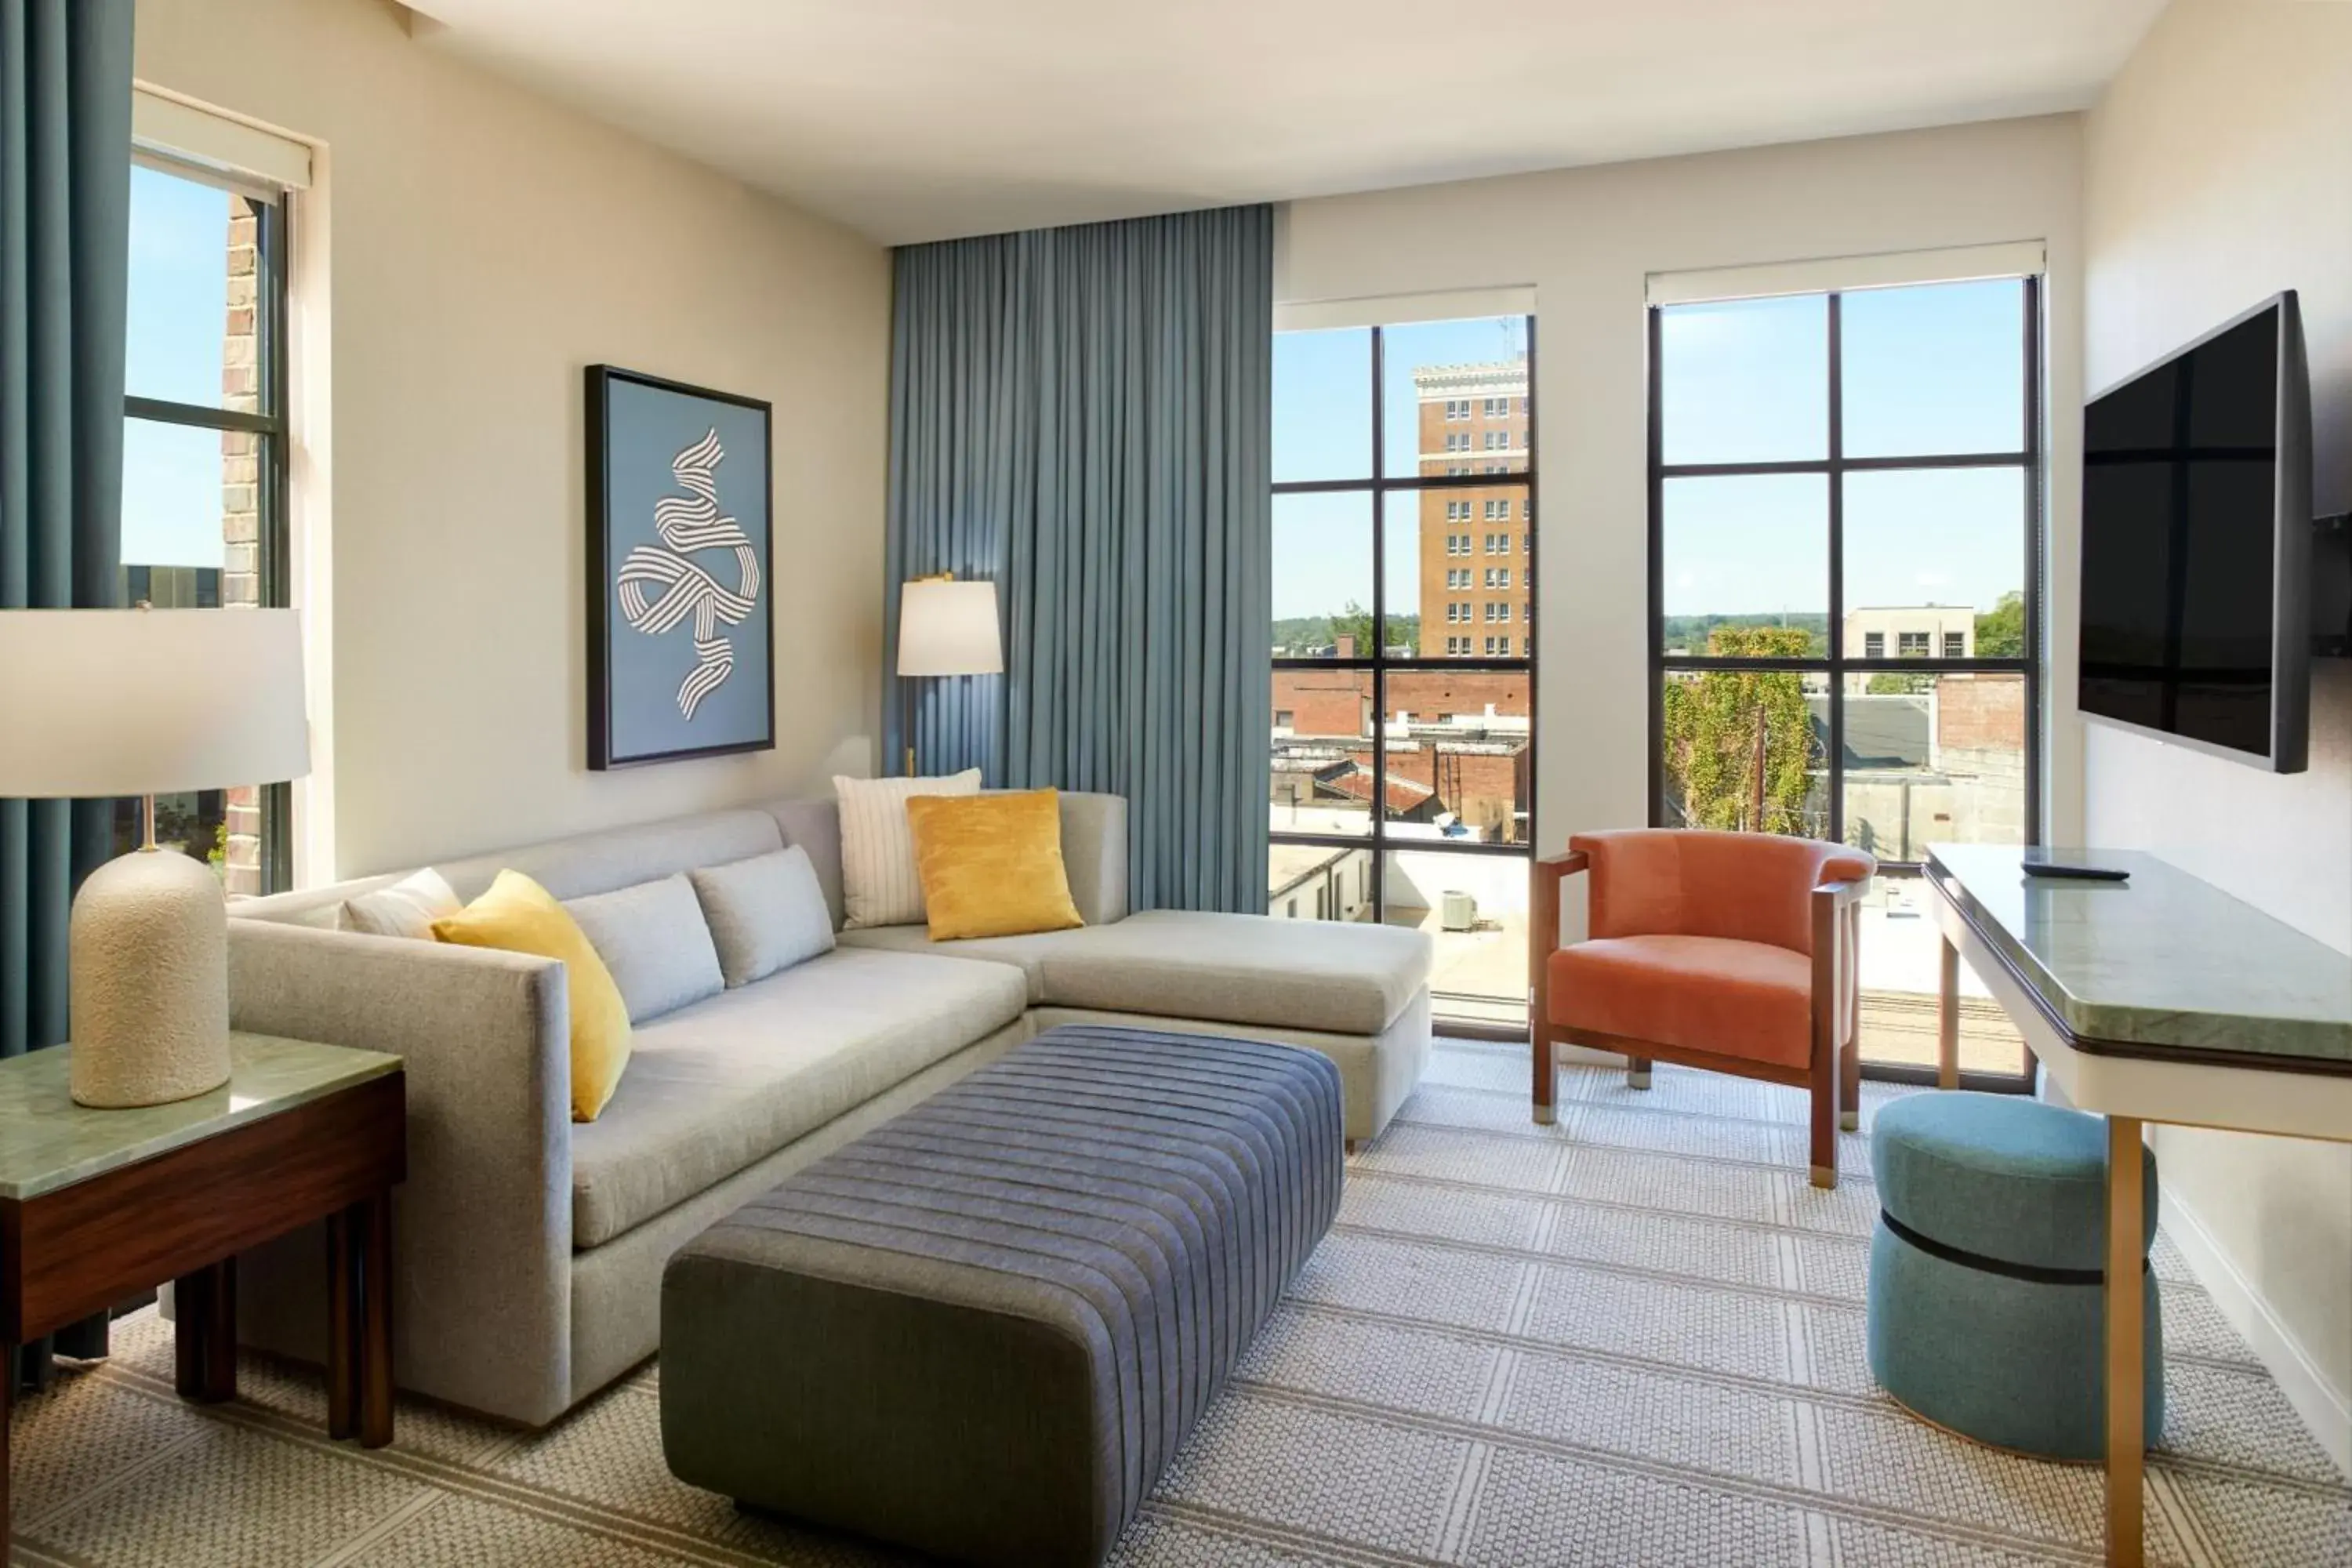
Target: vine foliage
column 1738, row 743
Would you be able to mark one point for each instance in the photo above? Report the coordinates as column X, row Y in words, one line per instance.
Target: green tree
column 1738, row 743
column 1888, row 683
column 1355, row 621
column 2001, row 631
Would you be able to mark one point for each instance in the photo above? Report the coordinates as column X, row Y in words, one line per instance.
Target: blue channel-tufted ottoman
column 983, row 1329
column 1987, row 1312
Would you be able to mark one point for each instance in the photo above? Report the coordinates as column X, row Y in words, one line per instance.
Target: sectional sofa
column 531, row 1249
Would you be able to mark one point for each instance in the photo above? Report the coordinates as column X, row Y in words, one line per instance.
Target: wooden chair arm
column 1841, row 894
column 1836, row 961
column 1544, row 877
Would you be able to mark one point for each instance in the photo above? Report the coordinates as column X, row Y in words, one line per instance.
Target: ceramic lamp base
column 148, row 982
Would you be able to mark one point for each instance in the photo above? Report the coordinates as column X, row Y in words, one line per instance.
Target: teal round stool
column 1987, row 1306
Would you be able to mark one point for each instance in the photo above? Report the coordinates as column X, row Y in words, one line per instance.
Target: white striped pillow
column 879, row 885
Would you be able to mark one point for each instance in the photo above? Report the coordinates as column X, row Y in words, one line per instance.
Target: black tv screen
column 2196, row 529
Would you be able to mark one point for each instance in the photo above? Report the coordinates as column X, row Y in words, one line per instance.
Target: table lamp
column 945, row 628
column 144, row 702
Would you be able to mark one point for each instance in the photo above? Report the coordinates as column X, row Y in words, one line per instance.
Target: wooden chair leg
column 1637, row 1073
column 1547, row 1084
column 1849, row 1059
column 1850, row 1086
column 1825, row 1118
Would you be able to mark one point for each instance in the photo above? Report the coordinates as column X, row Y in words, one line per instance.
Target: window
column 1528, row 647
column 1422, row 773
column 1527, row 578
column 204, row 458
column 1835, row 475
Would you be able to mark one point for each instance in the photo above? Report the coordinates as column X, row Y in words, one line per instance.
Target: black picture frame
column 606, row 619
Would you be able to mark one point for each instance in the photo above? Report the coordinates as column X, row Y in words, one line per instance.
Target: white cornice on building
column 1497, row 378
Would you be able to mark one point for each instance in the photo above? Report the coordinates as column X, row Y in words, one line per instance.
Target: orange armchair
column 1733, row 951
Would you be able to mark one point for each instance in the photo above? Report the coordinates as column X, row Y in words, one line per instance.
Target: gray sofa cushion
column 714, row 1086
column 1345, row 979
column 1094, row 849
column 1027, row 954
column 766, row 913
column 1025, row 1291
column 652, row 937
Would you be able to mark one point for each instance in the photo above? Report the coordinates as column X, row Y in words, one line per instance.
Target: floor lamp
column 945, row 628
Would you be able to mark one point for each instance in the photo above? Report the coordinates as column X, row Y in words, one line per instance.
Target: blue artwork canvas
column 681, row 659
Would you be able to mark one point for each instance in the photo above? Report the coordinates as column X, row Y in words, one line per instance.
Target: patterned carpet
column 1632, row 1338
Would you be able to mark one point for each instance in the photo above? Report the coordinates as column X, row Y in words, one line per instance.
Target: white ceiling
column 916, row 120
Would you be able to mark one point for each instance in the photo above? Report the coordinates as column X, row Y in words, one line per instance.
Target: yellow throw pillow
column 518, row 915
column 991, row 864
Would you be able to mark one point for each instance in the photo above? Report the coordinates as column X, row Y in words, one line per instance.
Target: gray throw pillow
column 766, row 913
column 652, row 937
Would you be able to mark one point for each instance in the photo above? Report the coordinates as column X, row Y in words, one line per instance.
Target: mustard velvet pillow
column 518, row 915
column 991, row 864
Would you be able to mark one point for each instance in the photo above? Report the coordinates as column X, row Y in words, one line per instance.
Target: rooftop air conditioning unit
column 1457, row 911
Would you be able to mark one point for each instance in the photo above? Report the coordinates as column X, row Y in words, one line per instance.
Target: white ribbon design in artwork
column 687, row 523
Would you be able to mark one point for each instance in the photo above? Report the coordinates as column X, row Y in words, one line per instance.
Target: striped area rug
column 1635, row 1337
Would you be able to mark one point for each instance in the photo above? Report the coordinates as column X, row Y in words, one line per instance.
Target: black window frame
column 273, row 216
column 1377, row 486
column 2030, row 456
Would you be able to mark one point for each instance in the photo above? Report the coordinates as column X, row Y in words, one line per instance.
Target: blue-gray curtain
column 1082, row 414
column 64, row 218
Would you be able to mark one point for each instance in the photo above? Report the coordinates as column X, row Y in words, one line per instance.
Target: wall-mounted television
column 2197, row 528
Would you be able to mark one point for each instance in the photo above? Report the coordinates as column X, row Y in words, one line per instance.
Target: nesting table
column 98, row 1205
column 2158, row 999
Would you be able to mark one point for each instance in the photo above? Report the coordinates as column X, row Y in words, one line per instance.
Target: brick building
column 241, row 869
column 1457, row 746
column 1477, row 557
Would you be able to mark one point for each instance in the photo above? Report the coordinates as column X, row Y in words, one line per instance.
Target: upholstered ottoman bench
column 981, row 1330
column 1986, row 1314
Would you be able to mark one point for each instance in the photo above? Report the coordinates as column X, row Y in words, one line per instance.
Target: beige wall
column 471, row 247
column 1587, row 240
column 2218, row 169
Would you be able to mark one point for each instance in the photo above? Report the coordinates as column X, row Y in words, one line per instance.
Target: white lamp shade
column 946, row 627
column 108, row 703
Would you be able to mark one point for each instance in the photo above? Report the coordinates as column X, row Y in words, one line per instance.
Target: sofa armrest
column 1094, row 853
column 483, row 1231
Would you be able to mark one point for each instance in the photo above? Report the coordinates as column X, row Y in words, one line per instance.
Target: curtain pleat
column 1083, row 415
column 64, row 218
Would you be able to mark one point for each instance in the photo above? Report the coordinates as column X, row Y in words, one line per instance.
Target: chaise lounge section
column 531, row 1248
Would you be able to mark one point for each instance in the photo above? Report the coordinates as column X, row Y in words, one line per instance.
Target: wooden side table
column 96, row 1206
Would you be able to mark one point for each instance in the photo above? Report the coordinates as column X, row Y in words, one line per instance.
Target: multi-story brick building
column 1477, row 552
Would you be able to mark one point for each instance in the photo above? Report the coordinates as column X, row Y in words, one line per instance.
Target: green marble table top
column 47, row 1141
column 2163, row 960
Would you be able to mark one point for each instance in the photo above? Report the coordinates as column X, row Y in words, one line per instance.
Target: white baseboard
column 2325, row 1408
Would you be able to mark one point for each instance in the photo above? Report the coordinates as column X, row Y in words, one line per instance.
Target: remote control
column 2076, row 873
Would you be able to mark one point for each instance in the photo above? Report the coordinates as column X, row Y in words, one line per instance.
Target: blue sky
column 1926, row 370
column 179, row 303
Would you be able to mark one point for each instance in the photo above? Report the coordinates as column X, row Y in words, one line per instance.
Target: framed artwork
column 681, row 645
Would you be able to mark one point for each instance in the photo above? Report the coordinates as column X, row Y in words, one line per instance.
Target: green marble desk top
column 47, row 1141
column 2163, row 960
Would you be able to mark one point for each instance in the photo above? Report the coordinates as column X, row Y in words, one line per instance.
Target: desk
column 96, row 1206
column 2160, row 999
